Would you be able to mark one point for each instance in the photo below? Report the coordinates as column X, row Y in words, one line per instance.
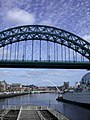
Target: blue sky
column 41, row 76
column 70, row 15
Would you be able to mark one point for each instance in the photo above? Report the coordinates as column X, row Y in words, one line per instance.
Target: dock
column 31, row 112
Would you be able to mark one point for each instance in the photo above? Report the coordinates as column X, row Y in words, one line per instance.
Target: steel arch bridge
column 38, row 46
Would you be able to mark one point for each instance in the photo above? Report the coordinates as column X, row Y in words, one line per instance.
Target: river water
column 73, row 112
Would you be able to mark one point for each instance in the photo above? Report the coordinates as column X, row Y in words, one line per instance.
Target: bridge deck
column 46, row 64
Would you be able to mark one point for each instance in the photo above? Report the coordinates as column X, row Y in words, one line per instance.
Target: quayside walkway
column 30, row 112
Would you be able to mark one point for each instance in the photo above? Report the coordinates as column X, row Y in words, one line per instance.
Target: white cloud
column 87, row 38
column 20, row 17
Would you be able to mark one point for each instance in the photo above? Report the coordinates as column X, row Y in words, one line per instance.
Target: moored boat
column 60, row 97
column 80, row 95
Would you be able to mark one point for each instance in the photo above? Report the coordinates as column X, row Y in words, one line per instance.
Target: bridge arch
column 49, row 81
column 46, row 33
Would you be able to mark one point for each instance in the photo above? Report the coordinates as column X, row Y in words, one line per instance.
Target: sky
column 70, row 15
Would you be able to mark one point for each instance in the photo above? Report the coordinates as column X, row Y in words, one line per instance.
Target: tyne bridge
column 39, row 46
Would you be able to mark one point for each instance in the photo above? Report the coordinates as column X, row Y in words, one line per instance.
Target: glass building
column 86, row 79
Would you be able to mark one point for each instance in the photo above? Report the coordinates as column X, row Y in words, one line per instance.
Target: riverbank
column 2, row 96
column 37, row 92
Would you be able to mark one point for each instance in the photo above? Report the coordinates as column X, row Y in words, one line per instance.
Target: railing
column 13, row 107
column 52, row 110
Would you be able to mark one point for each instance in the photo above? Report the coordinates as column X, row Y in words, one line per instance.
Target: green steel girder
column 45, row 64
column 47, row 33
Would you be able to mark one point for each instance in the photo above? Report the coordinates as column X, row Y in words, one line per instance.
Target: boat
column 80, row 95
column 60, row 97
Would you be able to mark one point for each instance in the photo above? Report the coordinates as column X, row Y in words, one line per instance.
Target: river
column 73, row 112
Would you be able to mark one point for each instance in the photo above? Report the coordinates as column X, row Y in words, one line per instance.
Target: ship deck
column 31, row 113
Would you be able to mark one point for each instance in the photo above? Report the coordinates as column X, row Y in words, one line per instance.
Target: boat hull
column 86, row 105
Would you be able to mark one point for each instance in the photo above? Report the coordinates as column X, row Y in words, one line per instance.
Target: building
column 3, row 86
column 86, row 79
column 16, row 87
column 66, row 85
